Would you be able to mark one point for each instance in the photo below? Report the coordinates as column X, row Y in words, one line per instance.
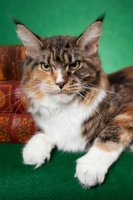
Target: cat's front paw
column 92, row 168
column 37, row 150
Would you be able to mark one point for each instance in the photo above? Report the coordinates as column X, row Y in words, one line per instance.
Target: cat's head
column 61, row 67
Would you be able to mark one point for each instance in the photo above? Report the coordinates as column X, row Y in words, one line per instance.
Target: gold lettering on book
column 3, row 129
column 23, row 128
column 24, row 102
column 2, row 99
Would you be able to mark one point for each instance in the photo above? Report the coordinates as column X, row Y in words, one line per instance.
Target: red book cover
column 11, row 59
column 11, row 98
column 16, row 128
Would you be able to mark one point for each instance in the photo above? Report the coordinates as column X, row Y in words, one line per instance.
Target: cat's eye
column 74, row 65
column 46, row 67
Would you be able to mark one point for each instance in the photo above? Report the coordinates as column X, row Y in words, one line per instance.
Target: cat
column 77, row 107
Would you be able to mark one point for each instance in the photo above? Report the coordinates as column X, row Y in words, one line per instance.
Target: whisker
column 9, row 94
column 96, row 96
column 120, row 95
column 26, row 97
column 87, row 101
column 93, row 86
column 11, row 106
column 21, row 99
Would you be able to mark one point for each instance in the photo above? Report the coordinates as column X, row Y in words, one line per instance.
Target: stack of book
column 16, row 124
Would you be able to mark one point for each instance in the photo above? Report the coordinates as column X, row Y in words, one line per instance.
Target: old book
column 11, row 98
column 11, row 59
column 16, row 128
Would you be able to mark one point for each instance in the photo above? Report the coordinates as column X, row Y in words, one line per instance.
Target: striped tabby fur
column 75, row 104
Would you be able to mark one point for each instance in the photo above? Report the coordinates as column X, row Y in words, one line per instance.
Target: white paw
column 92, row 168
column 37, row 150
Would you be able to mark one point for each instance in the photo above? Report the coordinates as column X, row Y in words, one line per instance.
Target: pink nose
column 61, row 84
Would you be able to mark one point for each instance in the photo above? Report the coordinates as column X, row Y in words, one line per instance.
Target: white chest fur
column 63, row 122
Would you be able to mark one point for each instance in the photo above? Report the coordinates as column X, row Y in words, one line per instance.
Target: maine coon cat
column 76, row 106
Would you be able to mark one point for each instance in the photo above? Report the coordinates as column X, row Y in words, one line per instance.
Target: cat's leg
column 38, row 149
column 92, row 167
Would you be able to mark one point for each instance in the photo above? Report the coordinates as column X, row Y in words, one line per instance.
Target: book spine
column 11, row 98
column 16, row 128
column 11, row 58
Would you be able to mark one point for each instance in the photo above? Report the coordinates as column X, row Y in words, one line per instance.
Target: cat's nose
column 61, row 84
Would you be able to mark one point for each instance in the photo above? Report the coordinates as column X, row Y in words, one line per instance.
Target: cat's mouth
column 63, row 97
column 62, row 92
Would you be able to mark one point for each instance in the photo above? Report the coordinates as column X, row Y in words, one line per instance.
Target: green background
column 72, row 17
column 56, row 17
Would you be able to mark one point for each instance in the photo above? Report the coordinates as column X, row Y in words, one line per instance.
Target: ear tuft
column 16, row 21
column 101, row 17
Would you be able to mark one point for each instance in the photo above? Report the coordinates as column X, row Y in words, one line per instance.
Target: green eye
column 74, row 65
column 46, row 67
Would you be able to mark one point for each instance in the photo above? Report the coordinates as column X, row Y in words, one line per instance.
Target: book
column 16, row 125
column 16, row 128
column 11, row 98
column 11, row 59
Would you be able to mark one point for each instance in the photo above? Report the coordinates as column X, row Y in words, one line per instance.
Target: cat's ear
column 89, row 40
column 31, row 41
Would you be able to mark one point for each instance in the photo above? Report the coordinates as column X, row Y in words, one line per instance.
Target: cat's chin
column 63, row 98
